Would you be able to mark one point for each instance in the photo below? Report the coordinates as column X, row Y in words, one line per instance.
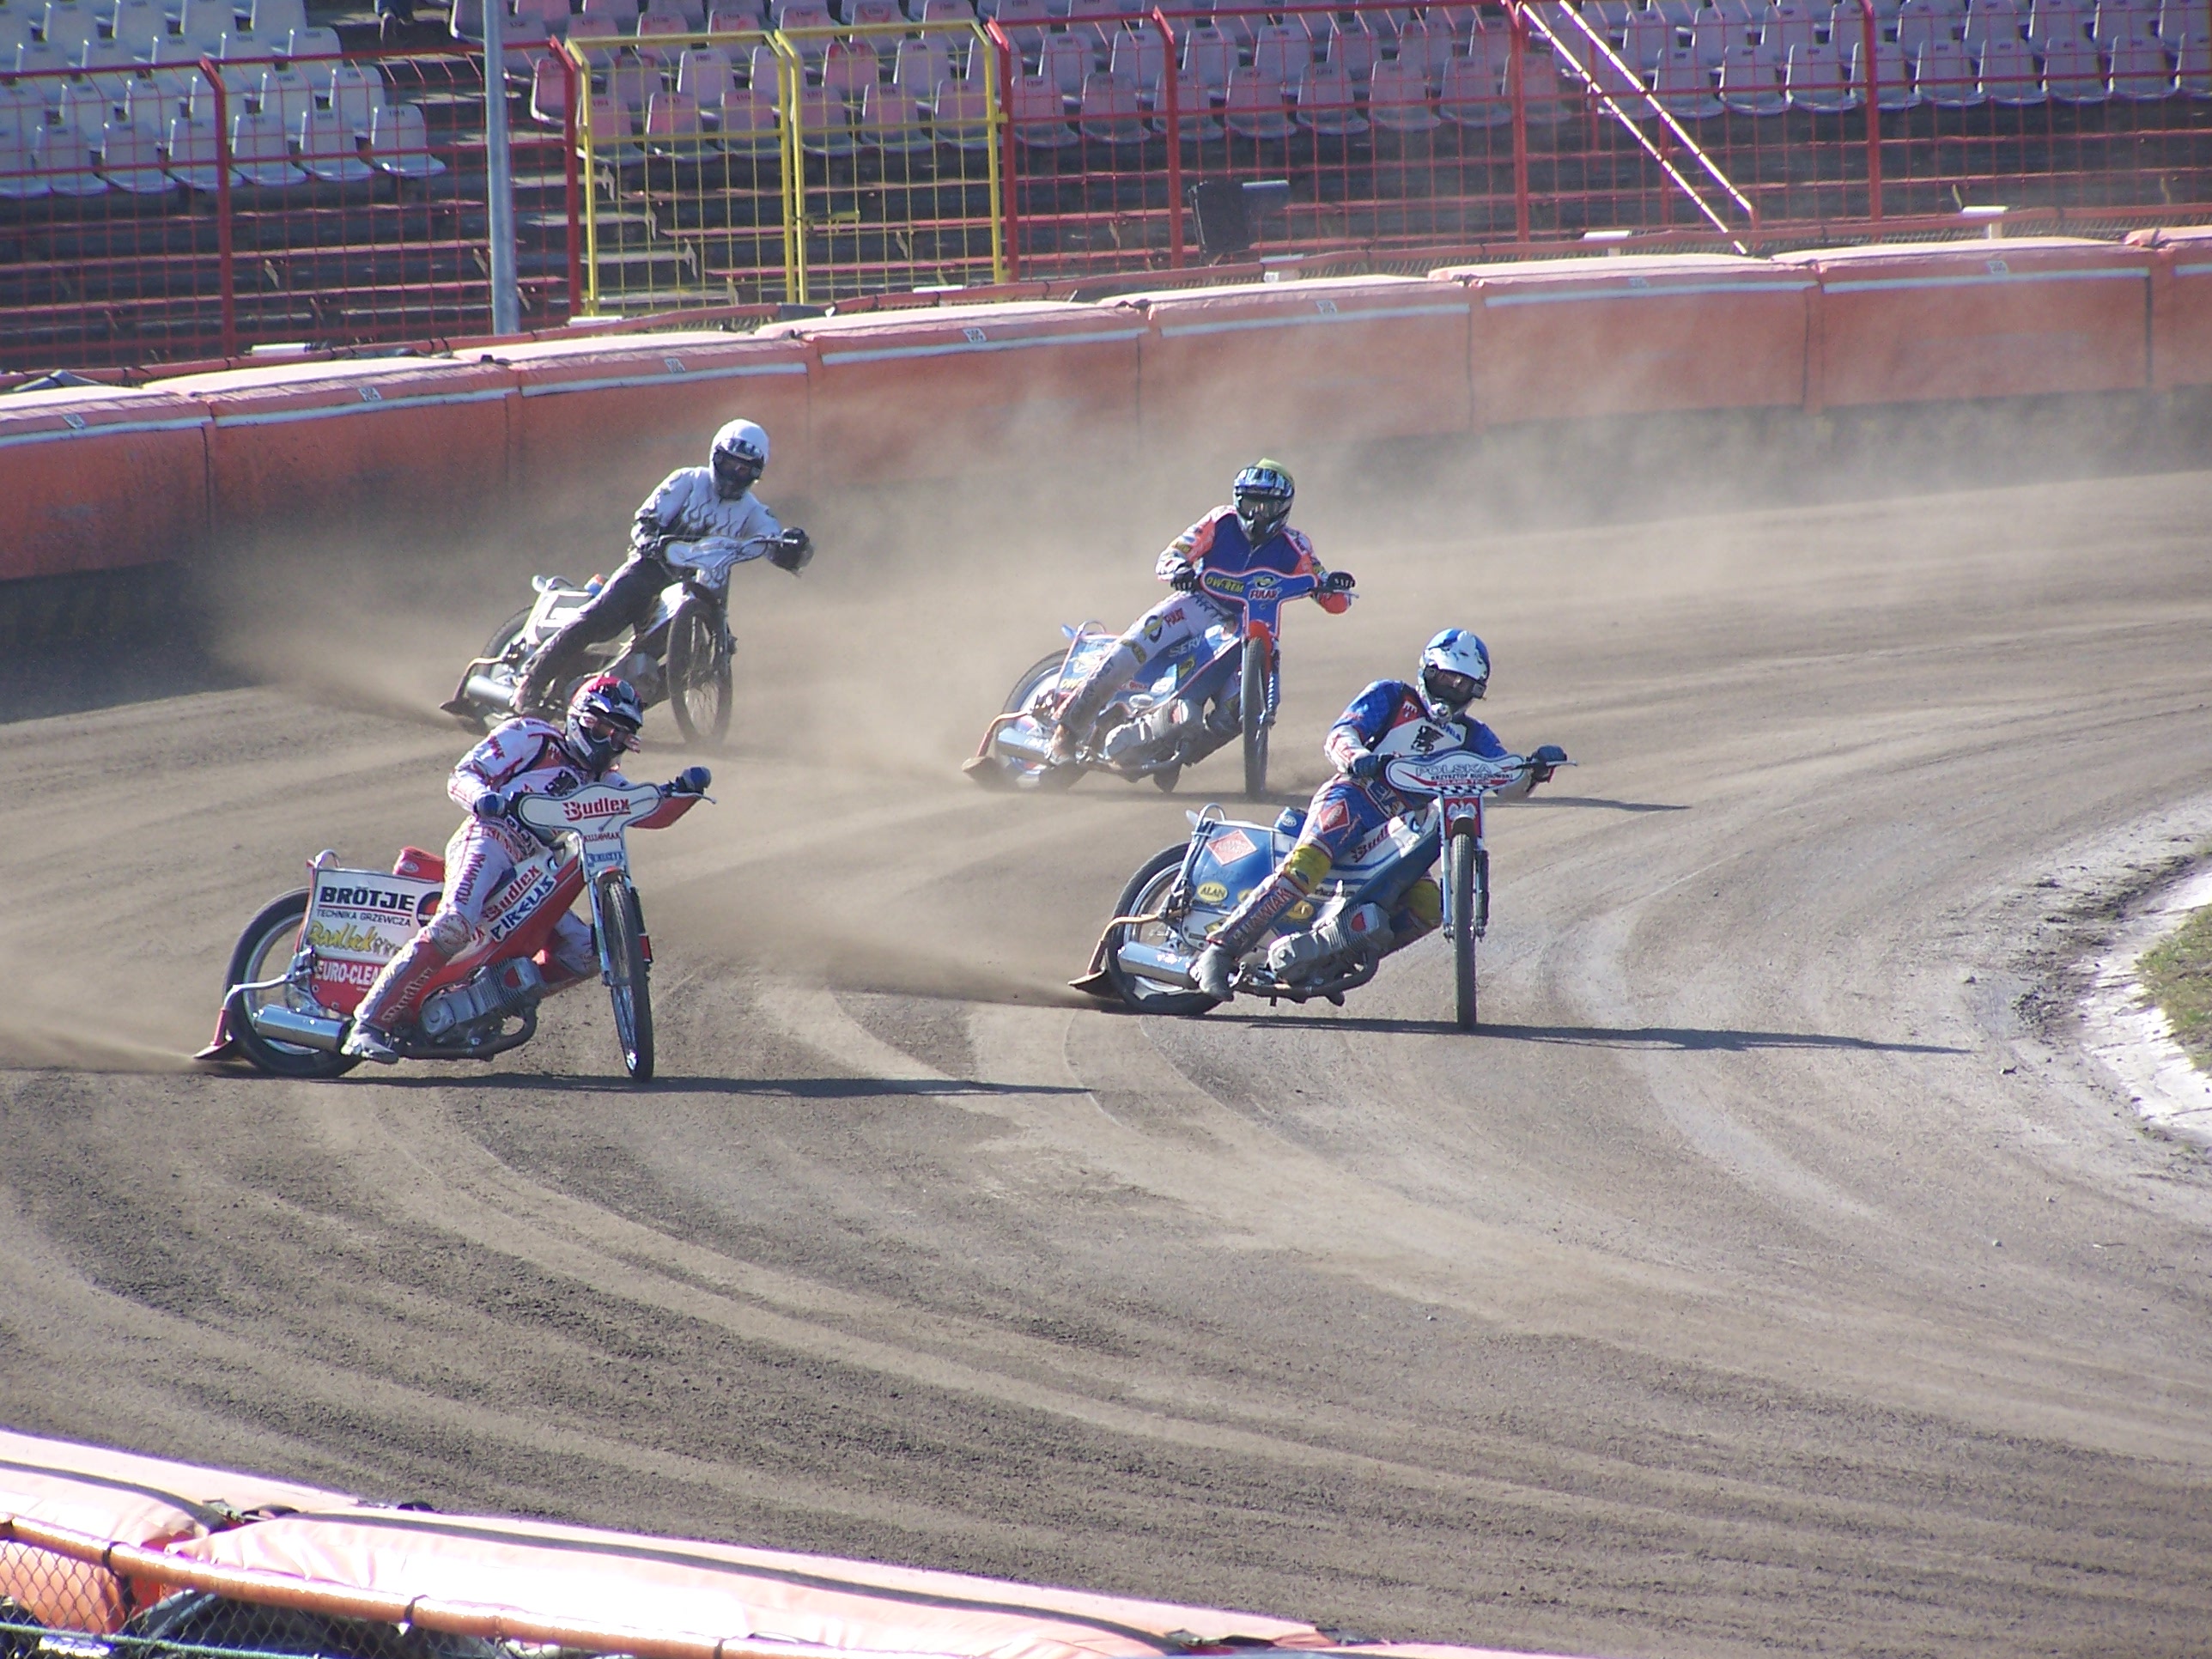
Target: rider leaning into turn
column 524, row 757
column 1427, row 716
column 704, row 521
column 1252, row 533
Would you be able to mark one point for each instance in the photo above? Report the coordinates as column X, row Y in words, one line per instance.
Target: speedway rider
column 1389, row 718
column 702, row 520
column 522, row 756
column 1252, row 533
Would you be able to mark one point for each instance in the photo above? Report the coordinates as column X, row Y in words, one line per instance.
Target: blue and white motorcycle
column 1181, row 706
column 1335, row 941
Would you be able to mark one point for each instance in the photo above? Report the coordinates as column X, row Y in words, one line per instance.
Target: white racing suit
column 683, row 526
column 521, row 757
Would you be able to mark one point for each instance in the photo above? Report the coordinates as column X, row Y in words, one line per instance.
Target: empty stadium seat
column 705, row 73
column 356, row 92
column 1065, row 60
column 152, row 102
column 1110, row 112
column 204, row 23
column 2055, row 20
column 944, row 11
column 1752, row 81
column 1711, row 34
column 1817, row 80
column 108, row 66
column 746, row 124
column 37, row 57
column 399, row 145
column 22, row 163
column 1254, row 106
column 1281, row 54
column 867, row 14
column 2118, row 21
column 598, row 38
column 313, row 43
column 192, row 152
column 1473, row 95
column 1025, row 22
column 849, row 69
column 287, row 95
column 2140, row 70
column 1893, row 75
column 1038, row 113
column 634, row 83
column 959, row 118
column 548, row 94
column 658, row 23
column 2072, row 73
column 2009, row 75
column 66, row 27
column 1351, row 43
column 136, row 24
column 259, row 152
column 2193, row 64
column 672, row 126
column 1918, row 23
column 1398, row 97
column 1139, row 58
column 84, row 109
column 890, row 120
column 1992, row 20
column 275, row 20
column 1648, row 38
column 1326, row 104
column 622, row 14
column 1684, row 85
column 922, row 66
column 1787, row 25
column 329, row 149
column 613, row 133
column 1194, row 116
column 825, row 126
column 1946, row 74
column 743, row 17
column 1428, row 46
column 806, row 15
column 1208, row 57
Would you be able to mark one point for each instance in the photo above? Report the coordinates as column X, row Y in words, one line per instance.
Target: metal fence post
column 568, row 170
column 1170, row 79
column 226, row 277
column 1010, row 57
column 1517, row 37
column 1870, row 35
column 499, row 174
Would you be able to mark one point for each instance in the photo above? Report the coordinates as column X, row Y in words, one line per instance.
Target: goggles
column 1452, row 691
column 600, row 729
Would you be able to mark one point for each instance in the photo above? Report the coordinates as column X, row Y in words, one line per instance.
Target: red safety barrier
column 1634, row 334
column 931, row 394
column 1919, row 323
column 394, row 440
column 116, row 1495
column 2180, row 306
column 1265, row 364
column 594, row 414
column 98, row 478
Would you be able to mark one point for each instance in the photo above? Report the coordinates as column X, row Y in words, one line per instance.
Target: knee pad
column 1423, row 905
column 1308, row 863
column 449, row 933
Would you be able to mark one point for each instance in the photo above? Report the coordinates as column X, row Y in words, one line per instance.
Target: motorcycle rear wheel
column 627, row 984
column 1143, row 894
column 699, row 694
column 265, row 951
column 1252, row 714
column 1465, row 905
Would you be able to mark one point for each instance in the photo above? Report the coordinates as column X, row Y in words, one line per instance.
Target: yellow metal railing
column 840, row 180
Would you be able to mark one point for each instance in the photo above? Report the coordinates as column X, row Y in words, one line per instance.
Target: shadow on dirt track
column 1682, row 1039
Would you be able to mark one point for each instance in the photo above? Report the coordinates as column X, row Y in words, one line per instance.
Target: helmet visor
column 604, row 731
column 734, row 474
column 1260, row 515
column 1448, row 690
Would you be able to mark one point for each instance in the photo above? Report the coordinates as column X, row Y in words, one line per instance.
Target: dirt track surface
column 1757, row 1279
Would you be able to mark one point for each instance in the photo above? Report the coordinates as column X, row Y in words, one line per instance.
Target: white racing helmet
column 1455, row 672
column 738, row 457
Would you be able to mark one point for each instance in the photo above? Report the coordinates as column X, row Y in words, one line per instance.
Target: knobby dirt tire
column 699, row 694
column 265, row 948
column 1252, row 712
column 1143, row 891
column 628, row 985
column 1465, row 903
column 506, row 634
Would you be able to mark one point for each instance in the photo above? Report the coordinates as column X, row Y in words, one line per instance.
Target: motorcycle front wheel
column 1143, row 896
column 623, row 952
column 699, row 677
column 265, row 951
column 1466, row 903
column 1252, row 712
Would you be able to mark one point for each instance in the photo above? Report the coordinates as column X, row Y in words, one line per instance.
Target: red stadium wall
column 98, row 478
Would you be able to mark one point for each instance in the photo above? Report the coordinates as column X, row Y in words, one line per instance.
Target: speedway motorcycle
column 1335, row 941
column 680, row 654
column 1222, row 686
column 303, row 964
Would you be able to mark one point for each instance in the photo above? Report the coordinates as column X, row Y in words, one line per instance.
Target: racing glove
column 691, row 781
column 1363, row 767
column 1184, row 578
column 492, row 805
column 1545, row 760
column 1337, row 581
column 794, row 550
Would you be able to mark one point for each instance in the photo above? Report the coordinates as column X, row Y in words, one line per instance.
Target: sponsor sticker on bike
column 1230, row 846
column 1212, row 892
column 364, row 917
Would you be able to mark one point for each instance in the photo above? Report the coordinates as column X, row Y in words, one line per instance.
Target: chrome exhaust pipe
column 482, row 688
column 1150, row 962
column 282, row 1024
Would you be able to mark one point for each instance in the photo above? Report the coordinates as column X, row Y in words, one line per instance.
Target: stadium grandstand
column 185, row 180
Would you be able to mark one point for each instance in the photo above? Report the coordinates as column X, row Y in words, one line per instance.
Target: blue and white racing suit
column 1348, row 816
column 1216, row 542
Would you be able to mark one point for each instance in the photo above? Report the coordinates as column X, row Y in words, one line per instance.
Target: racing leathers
column 521, row 757
column 1216, row 542
column 1349, row 812
column 682, row 528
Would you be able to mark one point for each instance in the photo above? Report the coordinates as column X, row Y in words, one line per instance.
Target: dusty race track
column 1758, row 1279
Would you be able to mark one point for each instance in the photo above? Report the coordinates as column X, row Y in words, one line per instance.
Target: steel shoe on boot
column 1212, row 971
column 365, row 1042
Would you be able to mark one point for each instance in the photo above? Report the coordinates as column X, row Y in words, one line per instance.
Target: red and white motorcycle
column 302, row 965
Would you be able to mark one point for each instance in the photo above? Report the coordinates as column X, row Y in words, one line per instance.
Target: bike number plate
column 357, row 920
